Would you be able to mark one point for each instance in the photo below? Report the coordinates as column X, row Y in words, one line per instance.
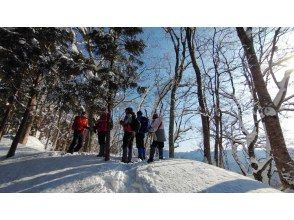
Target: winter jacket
column 102, row 124
column 145, row 124
column 157, row 128
column 80, row 124
column 127, row 123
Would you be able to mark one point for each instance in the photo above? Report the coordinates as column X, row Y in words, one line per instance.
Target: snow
column 283, row 85
column 269, row 111
column 36, row 170
column 75, row 49
column 35, row 42
column 250, row 137
column 32, row 147
column 22, row 41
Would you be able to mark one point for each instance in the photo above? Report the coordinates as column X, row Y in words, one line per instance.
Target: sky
column 158, row 49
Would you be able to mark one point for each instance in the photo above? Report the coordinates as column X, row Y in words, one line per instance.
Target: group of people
column 135, row 126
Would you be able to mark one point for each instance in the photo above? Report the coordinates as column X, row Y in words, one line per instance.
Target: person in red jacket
column 79, row 126
column 129, row 135
column 102, row 126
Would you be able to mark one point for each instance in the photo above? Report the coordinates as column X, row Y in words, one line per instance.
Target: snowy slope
column 54, row 172
column 33, row 146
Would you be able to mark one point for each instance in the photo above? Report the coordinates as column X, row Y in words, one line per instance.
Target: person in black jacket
column 140, row 135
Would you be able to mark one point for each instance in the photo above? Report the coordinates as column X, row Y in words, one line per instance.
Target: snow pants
column 140, row 145
column 127, row 147
column 159, row 145
column 102, row 143
column 77, row 142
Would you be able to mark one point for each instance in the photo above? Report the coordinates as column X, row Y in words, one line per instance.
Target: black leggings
column 140, row 140
column 102, row 143
column 127, row 146
column 77, row 142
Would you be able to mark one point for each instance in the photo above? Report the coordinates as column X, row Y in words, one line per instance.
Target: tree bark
column 217, row 117
column 9, row 107
column 172, row 123
column 179, row 43
column 283, row 161
column 57, row 133
column 221, row 150
column 28, row 125
column 108, row 135
column 27, row 117
column 6, row 117
column 201, row 97
column 90, row 133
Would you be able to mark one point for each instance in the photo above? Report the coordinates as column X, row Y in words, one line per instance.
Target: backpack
column 80, row 123
column 136, row 125
column 144, row 125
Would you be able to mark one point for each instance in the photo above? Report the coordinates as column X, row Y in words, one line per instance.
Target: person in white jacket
column 157, row 129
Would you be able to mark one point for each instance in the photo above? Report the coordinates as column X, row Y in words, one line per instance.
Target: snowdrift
column 34, row 145
column 41, row 171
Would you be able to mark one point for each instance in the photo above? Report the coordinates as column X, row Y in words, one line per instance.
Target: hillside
column 34, row 170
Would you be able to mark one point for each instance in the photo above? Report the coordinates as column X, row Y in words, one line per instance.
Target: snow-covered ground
column 35, row 170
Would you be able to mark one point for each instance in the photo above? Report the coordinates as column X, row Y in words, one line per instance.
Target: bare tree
column 268, row 113
column 178, row 39
column 190, row 32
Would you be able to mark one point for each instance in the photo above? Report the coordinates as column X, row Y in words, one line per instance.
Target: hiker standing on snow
column 130, row 124
column 157, row 129
column 140, row 135
column 79, row 126
column 102, row 127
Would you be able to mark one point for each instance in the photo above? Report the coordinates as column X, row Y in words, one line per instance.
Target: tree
column 178, row 39
column 268, row 113
column 120, row 49
column 205, row 118
column 39, row 46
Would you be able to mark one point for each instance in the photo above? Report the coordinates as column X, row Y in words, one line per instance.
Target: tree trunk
column 201, row 98
column 6, row 117
column 47, row 135
column 9, row 107
column 179, row 43
column 221, row 150
column 90, row 133
column 28, row 125
column 216, row 141
column 57, row 133
column 108, row 135
column 172, row 123
column 27, row 117
column 39, row 117
column 283, row 161
column 217, row 118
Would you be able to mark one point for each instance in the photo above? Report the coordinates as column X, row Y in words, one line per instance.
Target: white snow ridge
column 54, row 172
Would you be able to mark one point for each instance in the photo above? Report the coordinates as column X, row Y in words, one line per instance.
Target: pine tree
column 120, row 49
column 32, row 51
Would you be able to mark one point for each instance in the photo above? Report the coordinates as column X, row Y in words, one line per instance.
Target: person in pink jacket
column 157, row 129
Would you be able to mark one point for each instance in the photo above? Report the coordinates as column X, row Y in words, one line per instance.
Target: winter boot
column 150, row 160
column 139, row 153
column 143, row 153
column 160, row 152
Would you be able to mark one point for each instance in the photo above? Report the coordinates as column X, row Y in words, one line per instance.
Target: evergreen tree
column 33, row 53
